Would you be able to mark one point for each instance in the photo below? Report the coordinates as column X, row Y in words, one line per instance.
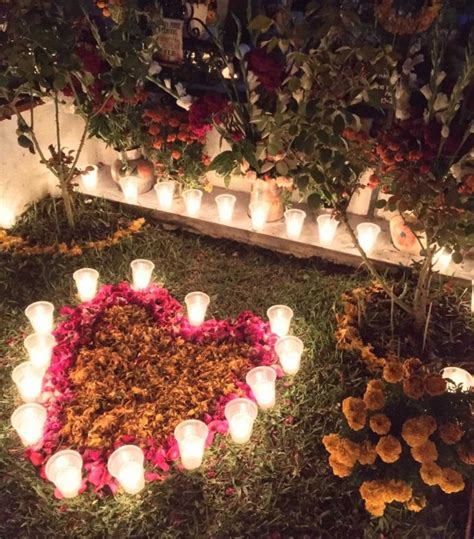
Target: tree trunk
column 68, row 204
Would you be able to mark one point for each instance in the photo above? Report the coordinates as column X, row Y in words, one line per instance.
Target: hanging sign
column 170, row 42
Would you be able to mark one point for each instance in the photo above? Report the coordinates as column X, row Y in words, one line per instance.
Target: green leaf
column 314, row 201
column 260, row 23
column 380, row 204
column 59, row 82
column 302, row 181
column 457, row 257
column 282, row 168
column 339, row 124
column 317, row 175
column 223, row 162
column 25, row 142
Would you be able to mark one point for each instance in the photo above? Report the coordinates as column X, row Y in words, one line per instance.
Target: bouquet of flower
column 404, row 437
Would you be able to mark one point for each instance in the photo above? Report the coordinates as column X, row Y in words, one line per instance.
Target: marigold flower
column 435, row 384
column 346, row 452
column 355, row 412
column 388, row 448
column 416, row 504
column 367, row 454
column 398, row 491
column 414, row 387
column 466, row 453
column 393, row 372
column 376, row 509
column 430, row 473
column 450, row 433
column 372, row 491
column 417, row 430
column 339, row 469
column 451, row 481
column 380, row 424
column 331, row 441
column 373, row 397
column 425, row 452
column 412, row 366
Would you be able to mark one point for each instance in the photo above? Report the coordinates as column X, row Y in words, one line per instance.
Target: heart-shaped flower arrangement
column 128, row 367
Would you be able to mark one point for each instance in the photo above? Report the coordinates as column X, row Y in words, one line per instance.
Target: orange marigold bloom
column 414, row 387
column 451, row 481
column 426, row 452
column 376, row 509
column 430, row 473
column 380, row 424
column 398, row 491
column 339, row 469
column 331, row 441
column 393, row 372
column 417, row 430
column 466, row 453
column 373, row 491
column 412, row 366
column 416, row 504
column 367, row 455
column 346, row 452
column 373, row 397
column 435, row 384
column 355, row 412
column 388, row 448
column 450, row 433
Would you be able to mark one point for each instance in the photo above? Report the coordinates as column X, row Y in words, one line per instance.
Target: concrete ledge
column 273, row 237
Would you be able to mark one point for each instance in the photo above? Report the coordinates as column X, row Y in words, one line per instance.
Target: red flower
column 92, row 62
column 204, row 110
column 268, row 70
column 175, row 154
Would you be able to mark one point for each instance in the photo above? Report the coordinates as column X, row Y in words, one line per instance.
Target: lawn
column 279, row 484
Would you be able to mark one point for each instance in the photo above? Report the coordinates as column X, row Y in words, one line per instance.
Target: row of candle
column 367, row 233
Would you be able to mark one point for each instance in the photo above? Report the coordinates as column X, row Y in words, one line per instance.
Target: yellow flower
column 435, row 384
column 393, row 372
column 425, row 452
column 355, row 411
column 451, row 481
column 430, row 473
column 380, row 424
column 450, row 433
column 416, row 504
column 388, row 448
column 339, row 469
column 367, row 455
column 414, row 387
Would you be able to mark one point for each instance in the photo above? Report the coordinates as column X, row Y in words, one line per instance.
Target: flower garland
column 247, row 335
column 393, row 22
column 19, row 245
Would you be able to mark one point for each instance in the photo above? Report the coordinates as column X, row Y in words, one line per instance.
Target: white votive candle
column 442, row 259
column 240, row 414
column 262, row 383
column 126, row 465
column 294, row 220
column 289, row 350
column 7, row 215
column 129, row 186
column 28, row 380
column 259, row 211
column 196, row 306
column 165, row 193
column 40, row 349
column 457, row 377
column 192, row 201
column 40, row 315
column 280, row 317
column 64, row 469
column 225, row 207
column 367, row 234
column 191, row 436
column 89, row 178
column 86, row 280
column 327, row 228
column 28, row 420
column 141, row 273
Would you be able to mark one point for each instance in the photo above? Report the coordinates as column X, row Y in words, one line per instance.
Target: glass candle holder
column 442, row 259
column 192, row 201
column 262, row 383
column 165, row 194
column 327, row 228
column 40, row 315
column 89, row 178
column 40, row 350
column 294, row 220
column 191, row 436
column 225, row 207
column 280, row 317
column 367, row 234
column 7, row 215
column 196, row 305
column 126, row 465
column 141, row 273
column 289, row 350
column 129, row 186
column 28, row 420
column 457, row 378
column 64, row 469
column 86, row 280
column 28, row 380
column 240, row 414
column 259, row 211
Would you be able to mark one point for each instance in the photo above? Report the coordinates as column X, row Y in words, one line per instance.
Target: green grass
column 280, row 482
